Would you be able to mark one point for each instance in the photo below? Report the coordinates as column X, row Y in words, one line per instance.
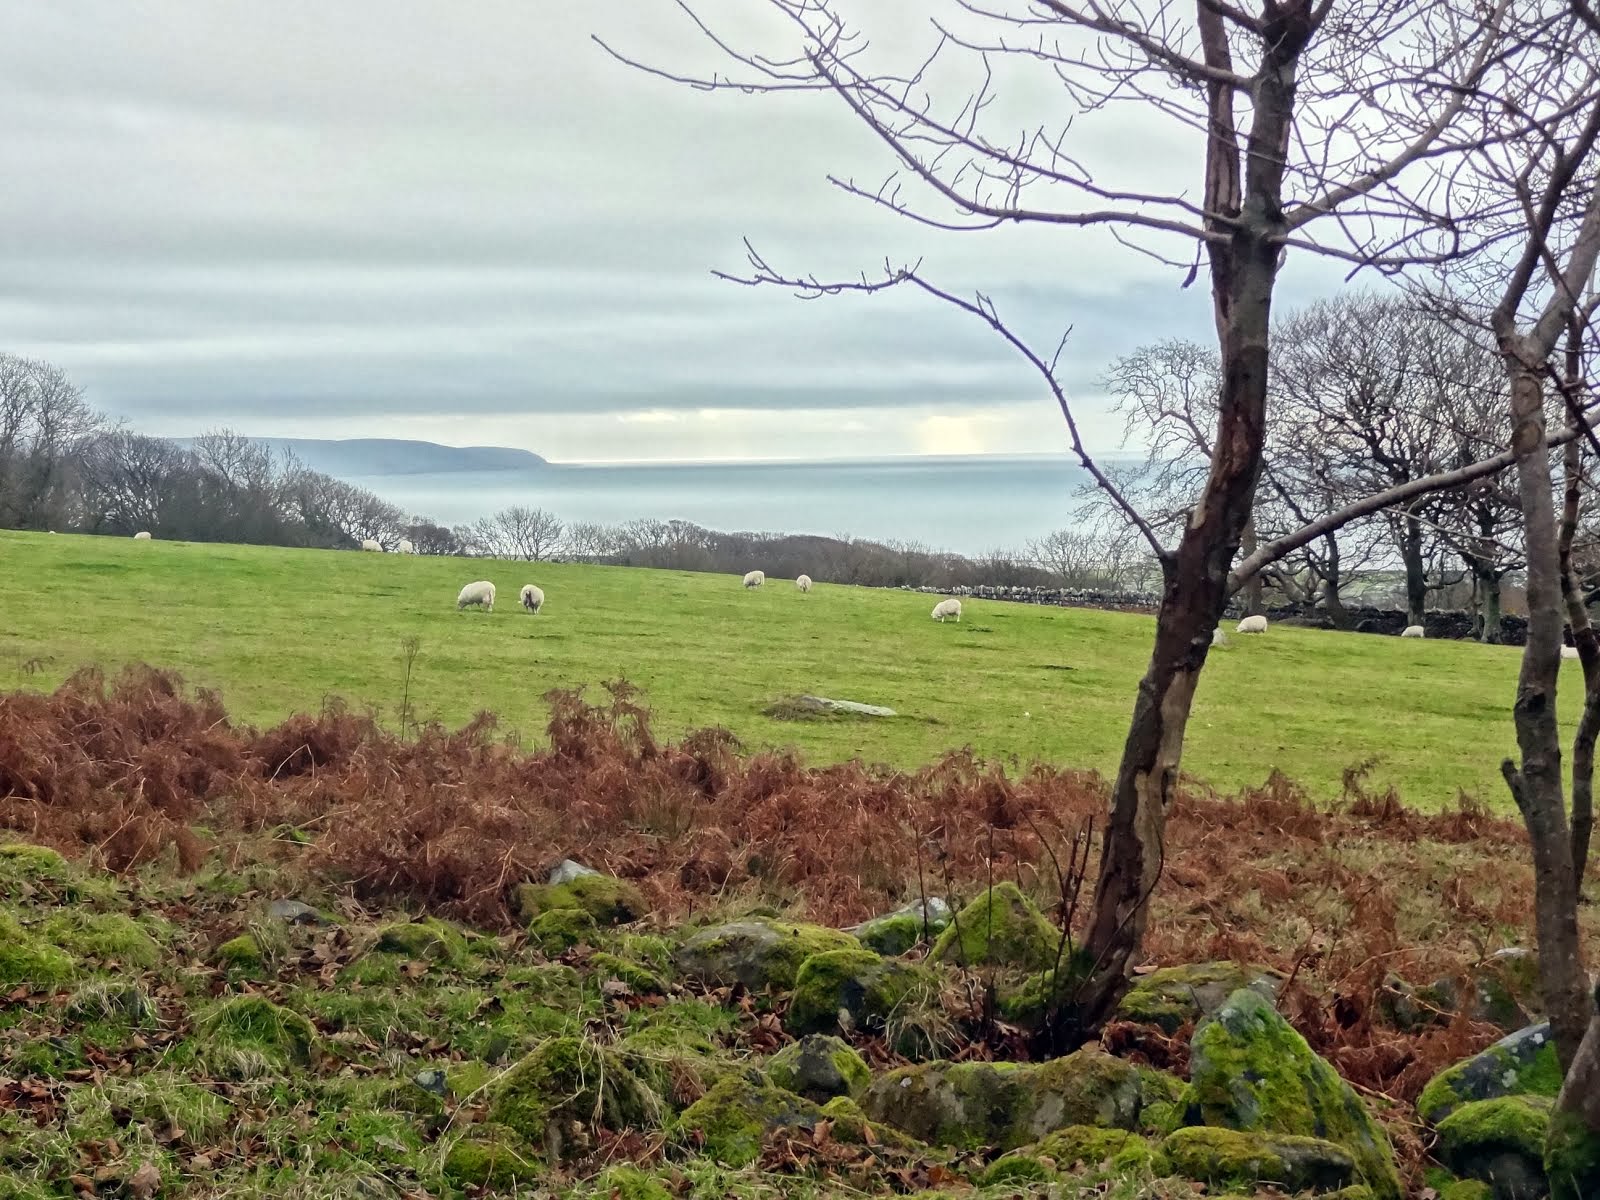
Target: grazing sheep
column 803, row 582
column 1255, row 624
column 755, row 579
column 481, row 593
column 1569, row 652
column 371, row 544
column 947, row 608
column 405, row 547
column 142, row 536
column 532, row 597
column 1412, row 631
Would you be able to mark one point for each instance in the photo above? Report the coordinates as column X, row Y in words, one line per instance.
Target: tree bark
column 1332, row 581
column 1536, row 784
column 1583, row 637
column 1252, row 591
column 1416, row 569
column 1489, row 599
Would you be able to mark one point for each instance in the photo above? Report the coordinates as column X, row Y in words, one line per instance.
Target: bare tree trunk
column 1416, row 570
column 1572, row 1148
column 1583, row 637
column 1536, row 783
column 1252, row 591
column 1332, row 581
column 1489, row 594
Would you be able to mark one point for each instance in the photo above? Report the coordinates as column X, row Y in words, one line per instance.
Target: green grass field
column 278, row 630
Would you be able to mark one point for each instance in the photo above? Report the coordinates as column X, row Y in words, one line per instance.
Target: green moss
column 27, row 870
column 1524, row 1064
column 730, row 1121
column 965, row 1105
column 647, row 949
column 853, row 1127
column 641, row 980
column 1510, row 1122
column 25, row 959
column 569, row 1079
column 1447, row 1187
column 819, row 1068
column 103, row 937
column 1572, row 1158
column 560, row 929
column 430, row 939
column 897, row 932
column 1077, row 1145
column 242, row 953
column 857, row 982
column 610, row 901
column 759, row 953
column 249, row 1035
column 160, row 1099
column 33, row 862
column 1230, row 1158
column 1174, row 996
column 630, row 1183
column 1000, row 928
column 493, row 1159
column 1250, row 1072
column 1015, row 1168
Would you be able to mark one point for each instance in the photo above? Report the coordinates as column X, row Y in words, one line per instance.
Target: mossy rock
column 609, row 900
column 569, row 1080
column 630, row 1183
column 1230, row 1158
column 250, row 1036
column 1087, row 1146
column 1175, row 996
column 1521, row 1064
column 841, row 991
column 853, row 1127
column 242, row 953
column 971, row 1105
column 819, row 1068
column 558, row 930
column 28, row 960
column 1571, row 1158
column 758, row 953
column 430, row 939
column 894, row 933
column 640, row 979
column 102, row 937
column 1001, row 928
column 1501, row 1142
column 491, row 1158
column 731, row 1120
column 1250, row 1072
column 1447, row 1187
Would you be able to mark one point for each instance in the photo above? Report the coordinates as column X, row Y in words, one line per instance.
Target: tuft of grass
column 1306, row 701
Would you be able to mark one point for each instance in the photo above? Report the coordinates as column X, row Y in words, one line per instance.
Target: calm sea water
column 968, row 505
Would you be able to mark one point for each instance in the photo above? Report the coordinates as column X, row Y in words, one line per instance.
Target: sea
column 969, row 505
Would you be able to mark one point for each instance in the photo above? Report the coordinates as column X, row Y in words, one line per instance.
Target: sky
column 469, row 224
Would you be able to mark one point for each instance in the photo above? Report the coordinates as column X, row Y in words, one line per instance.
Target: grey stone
column 824, row 704
column 566, row 871
column 432, row 1081
column 1522, row 1063
column 293, row 912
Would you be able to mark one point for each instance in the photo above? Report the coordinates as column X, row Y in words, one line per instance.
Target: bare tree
column 44, row 424
column 520, row 532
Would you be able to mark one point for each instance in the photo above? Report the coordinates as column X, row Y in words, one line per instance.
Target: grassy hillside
column 278, row 630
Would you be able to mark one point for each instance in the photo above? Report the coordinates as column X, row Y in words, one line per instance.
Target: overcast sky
column 465, row 223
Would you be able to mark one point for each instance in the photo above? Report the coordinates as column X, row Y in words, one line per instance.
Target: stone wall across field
column 1358, row 619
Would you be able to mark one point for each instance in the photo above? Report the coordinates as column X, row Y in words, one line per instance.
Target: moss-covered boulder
column 1231, row 1158
column 242, row 953
column 759, row 953
column 839, row 991
column 1502, row 991
column 1500, row 1142
column 26, row 959
column 729, row 1123
column 492, row 1158
column 1069, row 1151
column 1176, row 996
column 1001, row 928
column 553, row 1097
column 1522, row 1064
column 1447, row 1187
column 430, row 939
column 968, row 1105
column 641, row 980
column 249, row 1037
column 609, row 900
column 1250, row 1072
column 819, row 1068
column 558, row 930
column 105, row 938
column 1571, row 1158
column 894, row 933
column 853, row 1127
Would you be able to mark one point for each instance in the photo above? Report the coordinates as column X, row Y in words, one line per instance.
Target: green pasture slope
column 277, row 630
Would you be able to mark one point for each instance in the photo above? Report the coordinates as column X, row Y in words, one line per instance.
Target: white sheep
column 947, row 608
column 755, row 579
column 532, row 597
column 1253, row 624
column 405, row 547
column 803, row 582
column 480, row 592
column 142, row 536
column 372, row 544
column 1412, row 631
column 1569, row 652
